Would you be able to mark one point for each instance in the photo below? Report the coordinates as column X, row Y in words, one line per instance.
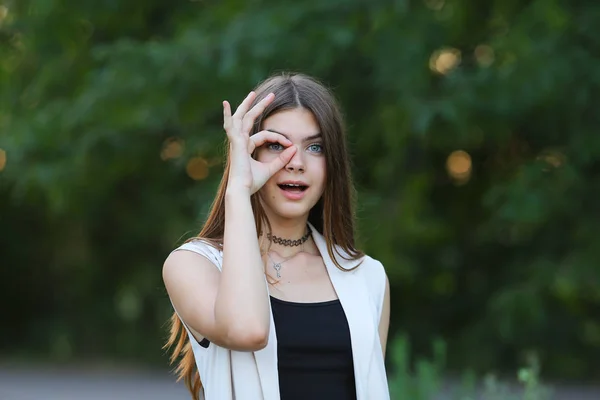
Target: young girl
column 272, row 299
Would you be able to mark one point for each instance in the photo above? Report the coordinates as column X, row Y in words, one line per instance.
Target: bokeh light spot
column 172, row 148
column 444, row 60
column 459, row 166
column 197, row 168
column 2, row 159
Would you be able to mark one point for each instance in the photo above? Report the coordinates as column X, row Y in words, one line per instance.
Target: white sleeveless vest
column 239, row 375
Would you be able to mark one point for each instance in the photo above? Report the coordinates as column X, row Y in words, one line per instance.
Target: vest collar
column 355, row 300
column 354, row 297
column 341, row 258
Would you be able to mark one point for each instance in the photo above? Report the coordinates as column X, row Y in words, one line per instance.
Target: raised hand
column 245, row 172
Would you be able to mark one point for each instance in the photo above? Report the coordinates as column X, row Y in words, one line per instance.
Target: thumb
column 282, row 160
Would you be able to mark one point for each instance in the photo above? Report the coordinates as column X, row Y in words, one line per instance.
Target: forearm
column 242, row 303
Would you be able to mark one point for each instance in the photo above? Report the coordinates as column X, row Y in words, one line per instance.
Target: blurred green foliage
column 111, row 139
column 427, row 378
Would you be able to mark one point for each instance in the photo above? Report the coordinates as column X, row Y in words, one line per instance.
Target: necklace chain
column 288, row 243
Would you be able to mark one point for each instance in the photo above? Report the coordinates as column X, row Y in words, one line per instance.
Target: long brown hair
column 333, row 215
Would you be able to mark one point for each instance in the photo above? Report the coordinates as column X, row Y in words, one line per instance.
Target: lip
column 293, row 195
column 293, row 183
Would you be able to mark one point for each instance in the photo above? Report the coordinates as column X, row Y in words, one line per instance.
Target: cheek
column 267, row 195
column 259, row 155
column 322, row 176
column 323, row 170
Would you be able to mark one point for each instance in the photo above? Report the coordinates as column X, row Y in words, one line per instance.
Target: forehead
column 294, row 123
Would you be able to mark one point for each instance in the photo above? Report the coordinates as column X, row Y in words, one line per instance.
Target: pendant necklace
column 277, row 265
column 286, row 243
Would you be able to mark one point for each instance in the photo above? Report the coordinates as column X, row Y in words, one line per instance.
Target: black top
column 314, row 351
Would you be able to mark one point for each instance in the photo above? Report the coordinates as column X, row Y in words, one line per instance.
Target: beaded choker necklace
column 289, row 242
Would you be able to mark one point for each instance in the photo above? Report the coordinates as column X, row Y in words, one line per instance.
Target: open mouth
column 288, row 187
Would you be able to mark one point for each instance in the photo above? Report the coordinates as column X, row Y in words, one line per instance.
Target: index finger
column 226, row 116
column 245, row 105
column 260, row 106
column 262, row 137
column 256, row 111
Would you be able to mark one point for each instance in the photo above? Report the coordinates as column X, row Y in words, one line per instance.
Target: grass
column 426, row 380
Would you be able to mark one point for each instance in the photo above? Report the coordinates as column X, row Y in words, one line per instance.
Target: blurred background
column 473, row 127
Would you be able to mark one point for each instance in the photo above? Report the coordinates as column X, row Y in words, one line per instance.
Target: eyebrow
column 306, row 139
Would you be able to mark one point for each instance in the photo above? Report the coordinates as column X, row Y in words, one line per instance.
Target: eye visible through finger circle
column 275, row 146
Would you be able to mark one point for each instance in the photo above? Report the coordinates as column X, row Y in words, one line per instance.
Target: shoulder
column 208, row 249
column 369, row 269
column 373, row 271
column 375, row 277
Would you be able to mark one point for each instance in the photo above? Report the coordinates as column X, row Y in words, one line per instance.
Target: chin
column 290, row 211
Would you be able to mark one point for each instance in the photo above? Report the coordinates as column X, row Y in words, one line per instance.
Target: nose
column 296, row 163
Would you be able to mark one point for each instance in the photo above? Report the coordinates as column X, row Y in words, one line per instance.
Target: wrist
column 237, row 192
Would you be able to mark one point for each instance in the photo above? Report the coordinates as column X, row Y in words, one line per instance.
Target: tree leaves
column 93, row 93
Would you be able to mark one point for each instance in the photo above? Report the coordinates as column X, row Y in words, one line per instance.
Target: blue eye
column 316, row 147
column 275, row 146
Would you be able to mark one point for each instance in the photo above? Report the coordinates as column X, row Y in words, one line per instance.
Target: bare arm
column 231, row 308
column 384, row 322
column 242, row 302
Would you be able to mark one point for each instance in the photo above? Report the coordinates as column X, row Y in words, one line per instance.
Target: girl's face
column 297, row 187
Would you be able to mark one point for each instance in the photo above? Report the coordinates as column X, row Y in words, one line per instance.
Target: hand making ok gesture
column 245, row 172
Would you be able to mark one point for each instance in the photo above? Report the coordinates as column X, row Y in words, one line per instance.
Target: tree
column 472, row 126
